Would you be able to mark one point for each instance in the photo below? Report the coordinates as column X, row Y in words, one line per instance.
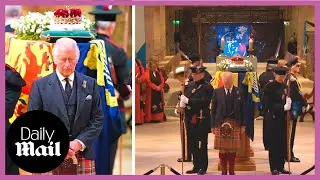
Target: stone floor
column 160, row 144
column 126, row 156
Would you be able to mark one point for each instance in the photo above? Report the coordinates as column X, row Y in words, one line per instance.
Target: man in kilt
column 196, row 102
column 277, row 102
column 75, row 99
column 226, row 120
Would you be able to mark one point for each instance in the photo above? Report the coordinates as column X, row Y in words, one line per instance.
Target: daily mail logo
column 27, row 148
column 39, row 138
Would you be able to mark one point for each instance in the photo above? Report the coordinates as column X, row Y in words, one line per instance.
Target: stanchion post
column 163, row 169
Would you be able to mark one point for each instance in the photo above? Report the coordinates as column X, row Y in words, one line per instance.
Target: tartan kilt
column 227, row 143
column 85, row 167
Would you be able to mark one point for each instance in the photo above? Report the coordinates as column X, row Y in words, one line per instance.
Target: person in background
column 105, row 19
column 154, row 98
column 14, row 85
column 12, row 13
column 139, row 81
column 299, row 103
column 196, row 62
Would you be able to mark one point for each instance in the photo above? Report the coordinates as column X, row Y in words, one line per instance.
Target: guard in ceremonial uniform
column 299, row 103
column 264, row 79
column 195, row 59
column 105, row 18
column 180, row 74
column 196, row 102
column 196, row 62
column 277, row 103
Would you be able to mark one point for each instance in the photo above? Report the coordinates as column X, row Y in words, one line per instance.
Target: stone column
column 155, row 33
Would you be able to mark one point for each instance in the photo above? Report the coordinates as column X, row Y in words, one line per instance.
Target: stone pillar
column 170, row 29
column 155, row 33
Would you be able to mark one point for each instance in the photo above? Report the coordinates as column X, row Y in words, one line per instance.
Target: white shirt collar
column 61, row 78
column 10, row 21
column 226, row 90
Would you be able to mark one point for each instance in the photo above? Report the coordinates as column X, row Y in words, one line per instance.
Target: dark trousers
column 276, row 159
column 187, row 148
column 199, row 147
column 296, row 111
column 293, row 134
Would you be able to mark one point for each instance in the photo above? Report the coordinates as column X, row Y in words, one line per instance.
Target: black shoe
column 180, row 160
column 193, row 171
column 284, row 171
column 275, row 172
column 201, row 172
column 294, row 159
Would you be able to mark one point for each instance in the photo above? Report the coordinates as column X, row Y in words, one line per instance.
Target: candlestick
column 222, row 44
column 251, row 44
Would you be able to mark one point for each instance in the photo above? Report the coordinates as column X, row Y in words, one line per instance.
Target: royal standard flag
column 252, row 102
column 96, row 61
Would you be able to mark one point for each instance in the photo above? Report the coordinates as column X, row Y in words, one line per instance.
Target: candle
column 222, row 43
column 251, row 44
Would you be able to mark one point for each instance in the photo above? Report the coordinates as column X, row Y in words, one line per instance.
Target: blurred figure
column 12, row 13
column 154, row 99
column 14, row 84
column 196, row 62
column 139, row 103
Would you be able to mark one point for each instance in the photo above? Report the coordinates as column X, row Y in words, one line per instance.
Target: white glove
column 182, row 105
column 184, row 99
column 287, row 106
column 292, row 78
column 186, row 82
column 176, row 112
column 305, row 109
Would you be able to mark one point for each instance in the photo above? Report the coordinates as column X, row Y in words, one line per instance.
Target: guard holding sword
column 196, row 103
column 277, row 103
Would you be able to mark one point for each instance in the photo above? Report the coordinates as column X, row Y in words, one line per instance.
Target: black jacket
column 218, row 109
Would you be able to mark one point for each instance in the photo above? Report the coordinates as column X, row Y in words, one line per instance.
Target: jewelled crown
column 68, row 16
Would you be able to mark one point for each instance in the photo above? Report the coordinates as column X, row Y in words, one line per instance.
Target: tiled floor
column 160, row 144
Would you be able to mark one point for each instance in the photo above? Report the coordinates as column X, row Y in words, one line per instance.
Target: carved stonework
column 310, row 56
